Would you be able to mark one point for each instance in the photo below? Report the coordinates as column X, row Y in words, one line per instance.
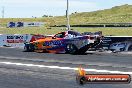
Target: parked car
column 121, row 46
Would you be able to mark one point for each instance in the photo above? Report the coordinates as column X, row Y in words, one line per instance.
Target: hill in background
column 115, row 14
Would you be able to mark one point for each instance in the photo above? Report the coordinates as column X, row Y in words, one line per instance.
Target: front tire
column 29, row 48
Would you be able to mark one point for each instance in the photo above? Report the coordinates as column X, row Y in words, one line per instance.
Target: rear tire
column 71, row 49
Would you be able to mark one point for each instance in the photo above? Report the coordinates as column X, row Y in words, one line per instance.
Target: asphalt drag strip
column 43, row 70
column 21, row 75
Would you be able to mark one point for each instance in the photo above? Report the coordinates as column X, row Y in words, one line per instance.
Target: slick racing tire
column 71, row 49
column 26, row 48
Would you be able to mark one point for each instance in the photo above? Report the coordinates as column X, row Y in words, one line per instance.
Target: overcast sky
column 38, row 8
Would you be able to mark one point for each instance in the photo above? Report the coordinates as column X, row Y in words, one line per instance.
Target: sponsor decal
column 15, row 39
column 53, row 43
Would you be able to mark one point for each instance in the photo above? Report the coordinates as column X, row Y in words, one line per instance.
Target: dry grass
column 44, row 30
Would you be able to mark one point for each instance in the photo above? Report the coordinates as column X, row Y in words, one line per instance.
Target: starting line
column 64, row 68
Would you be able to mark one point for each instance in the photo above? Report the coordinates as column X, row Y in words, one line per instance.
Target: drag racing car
column 70, row 42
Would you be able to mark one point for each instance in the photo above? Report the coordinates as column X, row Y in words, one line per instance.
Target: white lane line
column 64, row 68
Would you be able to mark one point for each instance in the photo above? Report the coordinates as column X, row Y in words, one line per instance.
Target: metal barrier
column 14, row 40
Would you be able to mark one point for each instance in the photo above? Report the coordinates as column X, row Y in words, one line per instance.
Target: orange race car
column 64, row 42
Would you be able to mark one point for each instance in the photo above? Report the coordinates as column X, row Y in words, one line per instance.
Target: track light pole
column 67, row 16
column 2, row 9
column 3, row 12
